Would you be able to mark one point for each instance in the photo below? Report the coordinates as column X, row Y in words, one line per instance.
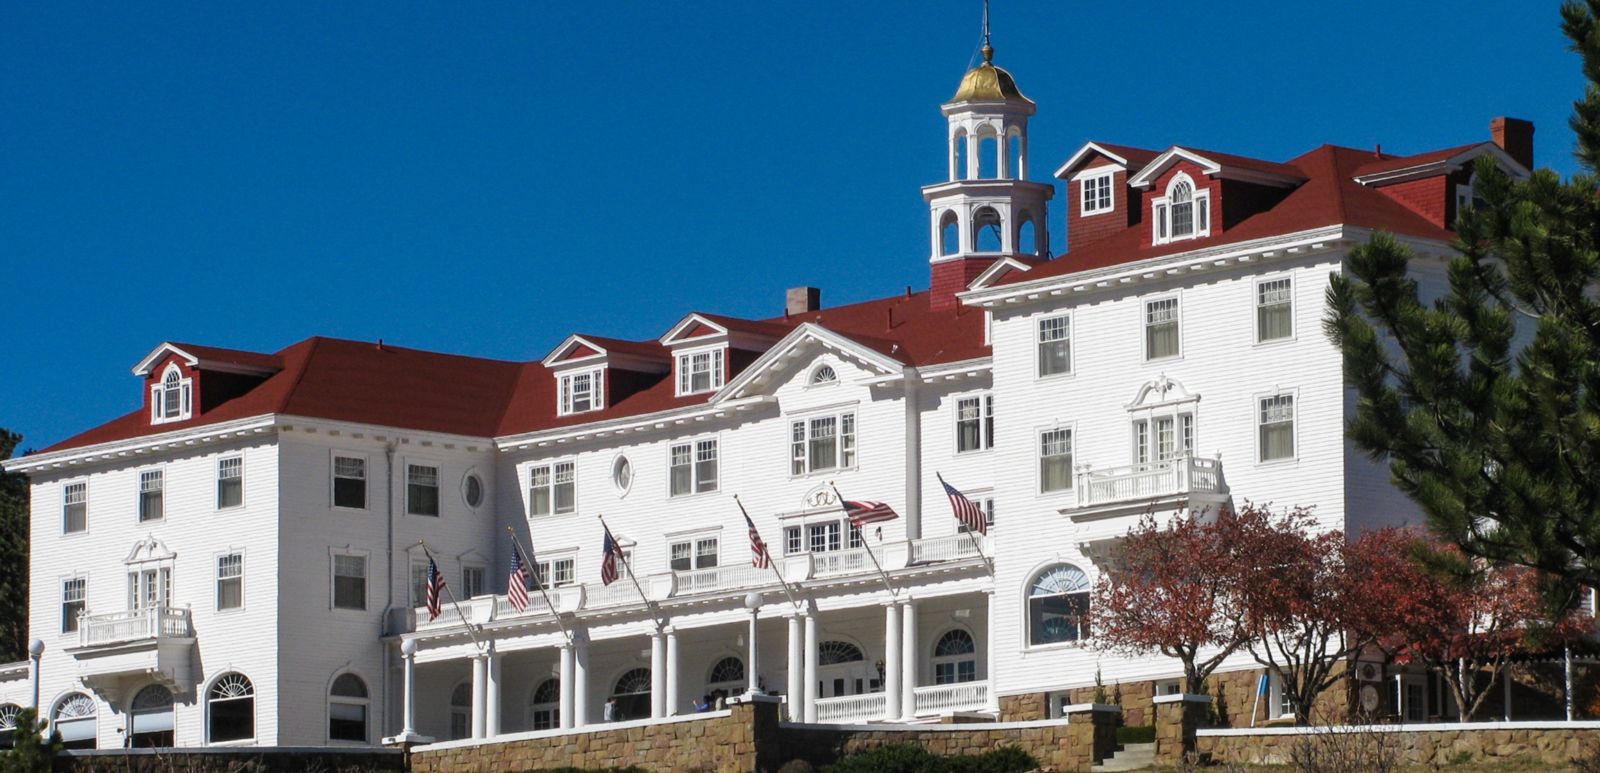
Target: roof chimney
column 1515, row 137
column 800, row 300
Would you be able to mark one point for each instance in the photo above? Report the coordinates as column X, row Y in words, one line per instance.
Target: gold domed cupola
column 988, row 83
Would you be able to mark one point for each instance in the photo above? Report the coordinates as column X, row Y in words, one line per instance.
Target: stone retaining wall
column 1550, row 743
column 262, row 760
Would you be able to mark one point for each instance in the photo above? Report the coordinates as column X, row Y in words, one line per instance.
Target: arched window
column 830, row 653
column 824, row 374
column 544, row 705
column 171, row 399
column 949, row 233
column 955, row 658
column 986, row 229
column 347, row 709
column 1027, row 239
column 958, row 152
column 1058, row 605
column 231, row 709
column 988, row 153
column 461, row 711
column 150, row 718
column 74, row 718
column 8, row 723
column 727, row 675
column 632, row 694
column 1184, row 213
column 1182, row 201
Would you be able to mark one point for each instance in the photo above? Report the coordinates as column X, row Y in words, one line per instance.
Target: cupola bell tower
column 987, row 209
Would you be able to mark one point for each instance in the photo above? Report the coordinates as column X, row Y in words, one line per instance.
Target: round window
column 622, row 473
column 473, row 491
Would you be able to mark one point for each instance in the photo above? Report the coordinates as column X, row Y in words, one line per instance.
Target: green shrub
column 1136, row 734
column 911, row 758
column 30, row 754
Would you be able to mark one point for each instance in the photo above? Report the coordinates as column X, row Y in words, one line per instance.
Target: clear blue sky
column 484, row 179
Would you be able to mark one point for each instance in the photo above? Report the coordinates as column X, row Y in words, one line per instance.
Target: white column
column 480, row 678
column 36, row 654
column 580, row 683
column 891, row 660
column 795, row 694
column 408, row 660
column 491, row 694
column 674, row 702
column 989, row 657
column 658, row 675
column 908, row 660
column 1400, row 697
column 1505, row 690
column 972, row 154
column 810, row 676
column 566, row 707
column 752, row 664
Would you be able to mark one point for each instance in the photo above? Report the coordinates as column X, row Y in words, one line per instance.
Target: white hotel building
column 239, row 560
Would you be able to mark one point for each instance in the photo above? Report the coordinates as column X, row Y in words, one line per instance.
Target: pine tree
column 1485, row 402
column 13, row 556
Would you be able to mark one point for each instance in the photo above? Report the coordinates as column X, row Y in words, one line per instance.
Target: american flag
column 759, row 557
column 435, row 590
column 517, row 581
column 865, row 512
column 608, row 558
column 969, row 514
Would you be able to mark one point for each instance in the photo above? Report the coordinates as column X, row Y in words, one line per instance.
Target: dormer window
column 1095, row 193
column 582, row 391
column 1184, row 213
column 173, row 398
column 700, row 371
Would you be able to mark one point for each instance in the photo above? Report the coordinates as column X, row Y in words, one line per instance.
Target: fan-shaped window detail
column 75, row 719
column 544, row 705
column 8, row 723
column 347, row 709
column 1058, row 605
column 830, row 653
column 824, row 374
column 631, row 695
column 173, row 398
column 1184, row 213
column 460, row 711
column 729, row 670
column 955, row 658
column 231, row 709
column 150, row 718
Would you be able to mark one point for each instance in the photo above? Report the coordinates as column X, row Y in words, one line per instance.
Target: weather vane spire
column 988, row 50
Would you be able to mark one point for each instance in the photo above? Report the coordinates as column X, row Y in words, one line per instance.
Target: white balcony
column 837, row 562
column 1179, row 482
column 717, row 578
column 852, row 708
column 954, row 547
column 154, row 642
column 962, row 696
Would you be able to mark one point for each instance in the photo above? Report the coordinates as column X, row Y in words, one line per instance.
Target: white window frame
column 158, row 475
column 695, row 541
column 716, row 367
column 366, row 579
column 985, row 421
column 551, row 468
column 1144, row 325
column 565, row 404
column 1294, row 424
column 61, row 606
column 1161, row 223
column 1104, row 177
column 483, row 579
column 334, row 477
column 417, row 579
column 1256, row 306
column 364, row 703
column 800, row 450
column 1071, row 429
column 438, row 485
column 221, row 462
column 1146, row 439
column 217, row 579
column 545, row 565
column 182, row 385
column 82, row 484
column 695, row 448
column 984, row 498
column 1039, row 342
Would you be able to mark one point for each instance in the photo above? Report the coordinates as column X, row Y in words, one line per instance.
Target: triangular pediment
column 575, row 348
column 796, row 351
column 691, row 327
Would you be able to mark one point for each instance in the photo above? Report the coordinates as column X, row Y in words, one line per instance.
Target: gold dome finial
column 987, row 82
column 988, row 50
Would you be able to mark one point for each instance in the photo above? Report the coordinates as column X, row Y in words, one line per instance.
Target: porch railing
column 721, row 578
column 845, row 708
column 841, row 562
column 963, row 696
column 1181, row 475
column 948, row 548
column 615, row 594
column 148, row 623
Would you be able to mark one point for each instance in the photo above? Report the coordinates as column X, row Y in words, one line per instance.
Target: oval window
column 622, row 473
column 474, row 490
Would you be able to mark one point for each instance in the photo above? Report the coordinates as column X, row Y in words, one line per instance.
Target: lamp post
column 35, row 653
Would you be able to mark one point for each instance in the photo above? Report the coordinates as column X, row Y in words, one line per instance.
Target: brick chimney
column 1515, row 137
column 799, row 300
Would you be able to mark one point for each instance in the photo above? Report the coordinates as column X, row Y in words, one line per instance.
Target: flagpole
column 471, row 626
column 628, row 566
column 864, row 544
column 517, row 544
column 787, row 591
column 975, row 544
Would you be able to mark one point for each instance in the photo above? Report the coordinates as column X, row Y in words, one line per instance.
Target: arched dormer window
column 1058, row 605
column 1184, row 213
column 171, row 399
column 824, row 374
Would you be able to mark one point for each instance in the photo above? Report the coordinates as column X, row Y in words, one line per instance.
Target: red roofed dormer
column 594, row 373
column 1190, row 194
column 1099, row 201
column 708, row 350
column 1437, row 184
column 183, row 381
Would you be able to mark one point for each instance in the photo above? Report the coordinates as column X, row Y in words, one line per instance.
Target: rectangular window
column 699, row 372
column 230, row 581
column 552, row 489
column 419, row 583
column 559, row 572
column 822, row 443
column 1161, row 328
column 687, row 555
column 230, row 482
column 705, row 465
column 148, row 588
column 73, row 592
column 693, row 467
column 1055, row 460
column 1161, row 223
column 987, row 506
column 823, row 537
column 349, row 582
column 422, row 489
column 1169, row 439
column 1096, row 193
column 74, row 507
column 472, row 582
column 582, row 392
column 150, row 491
column 1055, row 346
column 792, row 541
column 1277, row 427
column 974, row 423
column 1274, row 310
column 350, row 482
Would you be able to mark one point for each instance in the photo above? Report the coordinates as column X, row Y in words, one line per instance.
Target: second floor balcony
column 1179, row 482
column 156, row 641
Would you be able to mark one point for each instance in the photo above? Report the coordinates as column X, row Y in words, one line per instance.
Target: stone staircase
column 1133, row 756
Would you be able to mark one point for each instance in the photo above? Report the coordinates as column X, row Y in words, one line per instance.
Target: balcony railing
column 1181, row 475
column 951, row 548
column 156, row 622
column 846, row 708
column 721, row 578
column 963, row 696
column 840, row 562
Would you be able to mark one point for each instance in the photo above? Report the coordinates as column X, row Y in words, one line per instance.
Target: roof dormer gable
column 182, row 381
column 1438, row 184
column 707, row 350
column 797, row 349
column 586, row 351
column 1195, row 194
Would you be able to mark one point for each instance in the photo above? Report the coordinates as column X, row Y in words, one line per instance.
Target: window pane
column 679, row 471
column 230, row 482
column 349, row 482
column 797, row 448
column 823, row 451
column 681, row 560
column 1055, row 460
column 705, row 465
column 705, row 553
column 969, row 424
column 150, row 489
column 1161, row 328
column 422, row 489
column 566, row 491
column 847, row 440
column 1058, row 618
column 1274, row 310
column 562, row 572
column 230, row 583
column 75, row 507
column 1054, row 346
column 1277, row 427
column 350, row 582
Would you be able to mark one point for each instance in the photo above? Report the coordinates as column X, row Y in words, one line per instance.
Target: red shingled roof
column 1388, row 163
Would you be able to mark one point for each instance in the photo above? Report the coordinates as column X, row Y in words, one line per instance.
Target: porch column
column 36, row 653
column 480, row 678
column 810, row 692
column 795, row 694
column 408, row 714
column 580, row 683
column 989, row 656
column 566, row 707
column 752, row 602
column 673, row 702
column 658, row 675
column 891, row 660
column 908, row 660
column 491, row 693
